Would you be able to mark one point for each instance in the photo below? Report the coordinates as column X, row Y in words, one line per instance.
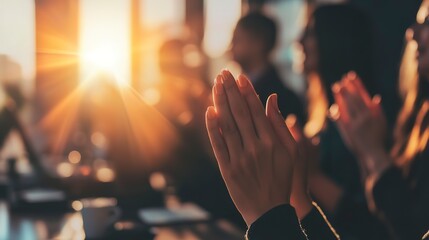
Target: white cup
column 98, row 214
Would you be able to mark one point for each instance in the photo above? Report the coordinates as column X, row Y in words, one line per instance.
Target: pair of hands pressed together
column 264, row 162
column 362, row 124
column 261, row 162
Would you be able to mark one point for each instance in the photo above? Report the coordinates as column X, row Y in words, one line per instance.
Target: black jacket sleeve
column 280, row 222
column 316, row 225
column 403, row 204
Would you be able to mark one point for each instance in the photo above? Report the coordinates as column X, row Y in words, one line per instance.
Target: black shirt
column 270, row 82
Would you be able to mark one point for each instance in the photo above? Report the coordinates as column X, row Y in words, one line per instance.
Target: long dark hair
column 412, row 125
column 344, row 37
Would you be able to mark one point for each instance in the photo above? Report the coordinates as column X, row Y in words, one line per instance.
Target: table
column 51, row 225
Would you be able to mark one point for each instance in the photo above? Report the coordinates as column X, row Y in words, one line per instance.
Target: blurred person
column 262, row 164
column 254, row 40
column 183, row 99
column 337, row 39
column 396, row 179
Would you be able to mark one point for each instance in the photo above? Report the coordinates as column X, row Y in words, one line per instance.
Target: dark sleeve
column 280, row 222
column 403, row 206
column 316, row 225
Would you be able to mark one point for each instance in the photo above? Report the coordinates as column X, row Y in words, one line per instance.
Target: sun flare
column 105, row 58
column 104, row 42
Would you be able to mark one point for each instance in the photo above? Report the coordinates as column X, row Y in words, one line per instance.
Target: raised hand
column 361, row 122
column 256, row 164
column 300, row 197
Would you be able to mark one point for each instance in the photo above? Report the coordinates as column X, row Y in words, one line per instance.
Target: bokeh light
column 65, row 169
column 77, row 205
column 105, row 174
column 74, row 157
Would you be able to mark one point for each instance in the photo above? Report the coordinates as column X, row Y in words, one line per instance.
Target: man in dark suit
column 254, row 40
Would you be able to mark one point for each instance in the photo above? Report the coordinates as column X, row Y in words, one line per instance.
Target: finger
column 304, row 144
column 294, row 128
column 279, row 125
column 357, row 83
column 376, row 104
column 352, row 104
column 376, row 99
column 226, row 121
column 343, row 129
column 341, row 106
column 355, row 97
column 239, row 109
column 218, row 143
column 262, row 125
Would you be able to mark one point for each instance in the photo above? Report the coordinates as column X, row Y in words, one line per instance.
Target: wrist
column 255, row 213
column 376, row 161
column 302, row 204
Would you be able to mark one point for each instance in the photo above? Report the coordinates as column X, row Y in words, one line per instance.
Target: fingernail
column 211, row 113
column 226, row 79
column 290, row 120
column 376, row 99
column 334, row 112
column 276, row 103
column 242, row 81
column 218, row 85
column 352, row 75
column 336, row 88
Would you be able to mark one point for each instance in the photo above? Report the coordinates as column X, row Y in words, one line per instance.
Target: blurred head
column 338, row 39
column 421, row 36
column 310, row 48
column 254, row 38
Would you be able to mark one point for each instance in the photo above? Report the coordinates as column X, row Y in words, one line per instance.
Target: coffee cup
column 98, row 214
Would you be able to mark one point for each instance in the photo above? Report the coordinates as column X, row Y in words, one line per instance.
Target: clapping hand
column 255, row 150
column 361, row 123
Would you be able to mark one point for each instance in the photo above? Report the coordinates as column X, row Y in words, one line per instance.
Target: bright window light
column 105, row 39
column 17, row 34
column 161, row 13
column 221, row 18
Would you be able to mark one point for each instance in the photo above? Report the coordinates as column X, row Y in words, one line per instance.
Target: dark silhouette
column 254, row 40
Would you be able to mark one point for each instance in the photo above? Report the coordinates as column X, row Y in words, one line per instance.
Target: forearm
column 326, row 192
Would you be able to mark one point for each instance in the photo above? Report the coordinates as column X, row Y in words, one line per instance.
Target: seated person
column 253, row 42
column 263, row 165
column 338, row 39
column 396, row 179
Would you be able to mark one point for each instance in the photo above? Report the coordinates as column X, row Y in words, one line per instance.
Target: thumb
column 278, row 124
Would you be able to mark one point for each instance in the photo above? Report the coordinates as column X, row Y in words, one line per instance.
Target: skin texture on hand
column 256, row 165
column 300, row 198
column 361, row 123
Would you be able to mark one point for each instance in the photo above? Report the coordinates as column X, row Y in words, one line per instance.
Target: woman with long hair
column 337, row 39
column 396, row 178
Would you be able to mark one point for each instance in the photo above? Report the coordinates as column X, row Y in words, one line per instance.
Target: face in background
column 245, row 47
column 421, row 36
column 308, row 42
